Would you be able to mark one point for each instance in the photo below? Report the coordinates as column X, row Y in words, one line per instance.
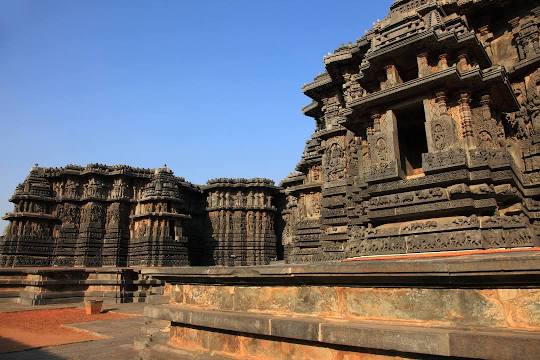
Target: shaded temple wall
column 122, row 216
column 241, row 214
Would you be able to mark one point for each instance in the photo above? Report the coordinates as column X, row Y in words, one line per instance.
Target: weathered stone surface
column 294, row 329
column 268, row 336
column 418, row 145
column 447, row 306
column 122, row 216
column 506, row 308
column 218, row 297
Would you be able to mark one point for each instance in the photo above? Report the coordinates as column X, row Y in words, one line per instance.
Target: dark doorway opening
column 412, row 138
column 172, row 229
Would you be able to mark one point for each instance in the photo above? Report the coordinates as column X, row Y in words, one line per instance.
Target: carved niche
column 142, row 229
column 527, row 36
column 352, row 152
column 94, row 188
column 335, row 162
column 118, row 190
column 113, row 215
column 314, row 174
column 312, row 204
column 69, row 214
column 92, row 213
column 238, row 199
column 489, row 132
column 71, row 189
column 290, row 219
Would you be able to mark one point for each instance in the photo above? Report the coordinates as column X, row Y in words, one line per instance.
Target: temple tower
column 157, row 224
column 423, row 143
column 28, row 240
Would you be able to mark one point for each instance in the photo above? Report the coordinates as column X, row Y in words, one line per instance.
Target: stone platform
column 55, row 285
column 483, row 305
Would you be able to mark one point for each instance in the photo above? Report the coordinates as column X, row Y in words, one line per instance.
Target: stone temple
column 427, row 140
column 122, row 216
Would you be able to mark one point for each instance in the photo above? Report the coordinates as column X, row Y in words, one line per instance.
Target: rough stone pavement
column 118, row 344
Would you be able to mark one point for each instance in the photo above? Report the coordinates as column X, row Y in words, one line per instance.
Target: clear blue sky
column 211, row 88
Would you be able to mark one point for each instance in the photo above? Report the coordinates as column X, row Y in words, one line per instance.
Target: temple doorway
column 411, row 137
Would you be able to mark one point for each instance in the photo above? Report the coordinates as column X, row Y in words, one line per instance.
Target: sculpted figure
column 70, row 189
column 335, row 168
column 352, row 89
column 118, row 190
column 533, row 99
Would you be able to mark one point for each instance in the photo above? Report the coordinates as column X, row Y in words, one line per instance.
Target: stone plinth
column 40, row 286
column 478, row 306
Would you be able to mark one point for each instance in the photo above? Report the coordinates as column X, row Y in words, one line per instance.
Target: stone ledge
column 504, row 268
column 53, row 282
column 65, row 269
column 387, row 336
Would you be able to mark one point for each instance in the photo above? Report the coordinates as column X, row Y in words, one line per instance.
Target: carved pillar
column 485, row 103
column 423, row 66
column 466, row 118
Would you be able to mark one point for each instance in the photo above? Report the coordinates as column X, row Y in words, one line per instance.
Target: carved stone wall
column 121, row 216
column 242, row 219
column 473, row 67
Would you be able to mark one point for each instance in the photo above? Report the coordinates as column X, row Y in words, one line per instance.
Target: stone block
column 395, row 338
column 209, row 296
column 295, row 328
column 231, row 321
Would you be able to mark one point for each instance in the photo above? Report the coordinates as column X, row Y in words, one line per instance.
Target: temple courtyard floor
column 55, row 332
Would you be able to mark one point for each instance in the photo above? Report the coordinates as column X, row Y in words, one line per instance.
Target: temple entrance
column 412, row 137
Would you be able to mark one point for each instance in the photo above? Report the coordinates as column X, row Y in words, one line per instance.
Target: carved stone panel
column 335, row 161
column 533, row 99
column 440, row 126
column 331, row 109
column 383, row 147
column 311, row 205
column 352, row 89
column 488, row 132
column 527, row 36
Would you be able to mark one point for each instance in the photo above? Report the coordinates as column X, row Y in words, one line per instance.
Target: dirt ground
column 21, row 330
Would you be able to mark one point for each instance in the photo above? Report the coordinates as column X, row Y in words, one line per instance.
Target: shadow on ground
column 28, row 354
